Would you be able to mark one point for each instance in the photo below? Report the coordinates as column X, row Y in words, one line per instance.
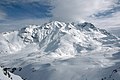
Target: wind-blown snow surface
column 61, row 51
column 6, row 75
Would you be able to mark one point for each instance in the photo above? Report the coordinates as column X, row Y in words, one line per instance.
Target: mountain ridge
column 53, row 33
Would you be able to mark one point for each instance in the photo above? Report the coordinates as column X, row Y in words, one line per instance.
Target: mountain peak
column 57, row 37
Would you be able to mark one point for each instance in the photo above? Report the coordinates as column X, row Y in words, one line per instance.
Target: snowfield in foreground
column 6, row 75
column 61, row 51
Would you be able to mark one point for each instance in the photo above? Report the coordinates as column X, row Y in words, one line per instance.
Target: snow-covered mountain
column 61, row 51
column 57, row 37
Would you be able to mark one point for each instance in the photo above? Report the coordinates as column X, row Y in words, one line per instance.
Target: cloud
column 2, row 16
column 18, row 24
column 24, row 1
column 21, row 12
column 78, row 9
column 113, row 21
column 23, row 9
column 105, row 12
column 15, row 14
column 115, row 7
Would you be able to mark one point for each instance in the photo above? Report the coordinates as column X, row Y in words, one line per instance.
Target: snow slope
column 61, row 51
column 6, row 75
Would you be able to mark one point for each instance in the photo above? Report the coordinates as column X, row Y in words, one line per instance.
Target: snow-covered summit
column 57, row 38
column 35, row 31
